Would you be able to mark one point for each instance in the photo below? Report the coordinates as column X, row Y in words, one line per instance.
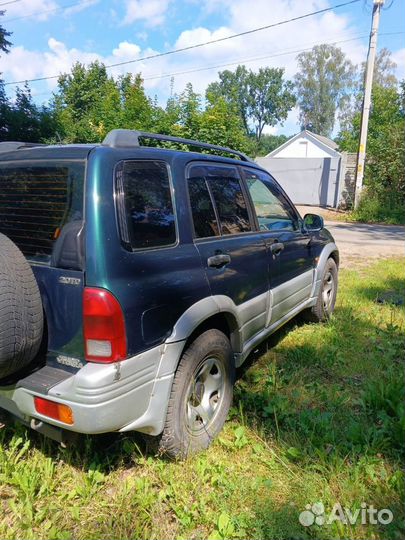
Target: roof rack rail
column 9, row 146
column 128, row 137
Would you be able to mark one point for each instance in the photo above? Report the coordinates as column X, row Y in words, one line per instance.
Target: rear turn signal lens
column 103, row 327
column 54, row 410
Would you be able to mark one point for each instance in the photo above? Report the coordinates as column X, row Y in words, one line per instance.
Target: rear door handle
column 277, row 248
column 218, row 261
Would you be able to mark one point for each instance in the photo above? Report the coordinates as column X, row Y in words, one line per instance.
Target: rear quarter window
column 145, row 206
column 37, row 200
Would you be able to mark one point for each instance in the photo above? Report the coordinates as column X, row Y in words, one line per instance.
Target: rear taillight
column 52, row 409
column 103, row 327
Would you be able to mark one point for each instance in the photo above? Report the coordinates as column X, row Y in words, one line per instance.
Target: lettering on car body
column 66, row 280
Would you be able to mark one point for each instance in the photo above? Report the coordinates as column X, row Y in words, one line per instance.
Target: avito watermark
column 315, row 514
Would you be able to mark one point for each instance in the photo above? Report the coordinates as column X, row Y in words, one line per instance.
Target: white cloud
column 151, row 12
column 40, row 10
column 22, row 64
column 399, row 58
column 275, row 47
column 80, row 7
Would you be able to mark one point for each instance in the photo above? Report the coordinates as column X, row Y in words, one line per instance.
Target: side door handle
column 277, row 248
column 218, row 261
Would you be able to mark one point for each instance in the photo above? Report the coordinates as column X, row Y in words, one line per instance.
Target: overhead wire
column 10, row 2
column 248, row 60
column 45, row 11
column 198, row 45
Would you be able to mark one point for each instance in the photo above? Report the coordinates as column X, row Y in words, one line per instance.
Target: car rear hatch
column 42, row 212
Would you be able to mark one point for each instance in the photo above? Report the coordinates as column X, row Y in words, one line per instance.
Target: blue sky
column 59, row 32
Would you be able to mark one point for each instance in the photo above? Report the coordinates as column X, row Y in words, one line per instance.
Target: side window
column 272, row 210
column 205, row 221
column 148, row 205
column 229, row 199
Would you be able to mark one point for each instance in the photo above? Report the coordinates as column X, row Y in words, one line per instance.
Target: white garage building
column 311, row 170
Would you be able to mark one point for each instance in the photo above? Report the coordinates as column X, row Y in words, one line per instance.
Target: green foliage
column 384, row 197
column 260, row 98
column 384, row 70
column 86, row 101
column 89, row 103
column 319, row 416
column 23, row 120
column 4, row 43
column 233, row 86
column 324, row 83
column 268, row 143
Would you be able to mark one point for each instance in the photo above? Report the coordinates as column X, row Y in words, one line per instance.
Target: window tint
column 148, row 204
column 272, row 210
column 37, row 201
column 229, row 199
column 205, row 222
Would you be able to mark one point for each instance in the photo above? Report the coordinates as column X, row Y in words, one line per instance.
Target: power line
column 233, row 63
column 254, row 59
column 35, row 14
column 247, row 60
column 11, row 2
column 190, row 47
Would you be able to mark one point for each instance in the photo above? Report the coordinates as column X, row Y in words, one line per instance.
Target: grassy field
column 318, row 417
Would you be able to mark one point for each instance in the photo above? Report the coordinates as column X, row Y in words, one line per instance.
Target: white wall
column 302, row 147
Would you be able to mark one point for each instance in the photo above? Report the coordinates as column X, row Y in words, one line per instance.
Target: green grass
column 318, row 416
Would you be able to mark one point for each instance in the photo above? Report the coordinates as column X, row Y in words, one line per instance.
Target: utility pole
column 368, row 83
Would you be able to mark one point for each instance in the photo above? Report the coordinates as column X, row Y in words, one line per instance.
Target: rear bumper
column 128, row 395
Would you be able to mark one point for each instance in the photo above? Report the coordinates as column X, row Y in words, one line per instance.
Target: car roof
column 39, row 152
column 82, row 151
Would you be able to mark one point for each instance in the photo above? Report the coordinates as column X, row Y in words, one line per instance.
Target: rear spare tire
column 21, row 314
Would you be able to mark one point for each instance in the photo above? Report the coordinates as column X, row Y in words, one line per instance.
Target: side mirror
column 313, row 222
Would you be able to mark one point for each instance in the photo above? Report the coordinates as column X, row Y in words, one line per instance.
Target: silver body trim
column 133, row 394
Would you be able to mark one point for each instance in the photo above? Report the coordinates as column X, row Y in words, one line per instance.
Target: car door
column 233, row 253
column 288, row 244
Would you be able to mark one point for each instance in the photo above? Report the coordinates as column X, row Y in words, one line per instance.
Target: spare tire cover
column 21, row 313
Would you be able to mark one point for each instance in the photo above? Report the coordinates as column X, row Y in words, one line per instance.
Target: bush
column 381, row 207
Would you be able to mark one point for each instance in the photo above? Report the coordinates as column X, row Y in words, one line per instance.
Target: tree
column 137, row 108
column 270, row 98
column 324, row 84
column 384, row 70
column 384, row 197
column 260, row 99
column 189, row 112
column 5, row 112
column 87, row 103
column 233, row 88
column 220, row 124
column 4, row 43
column 4, row 103
column 268, row 143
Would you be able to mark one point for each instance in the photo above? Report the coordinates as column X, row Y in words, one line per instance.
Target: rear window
column 37, row 201
column 145, row 206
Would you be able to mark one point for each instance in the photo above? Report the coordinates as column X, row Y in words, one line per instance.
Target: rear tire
column 21, row 314
column 201, row 395
column 325, row 303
